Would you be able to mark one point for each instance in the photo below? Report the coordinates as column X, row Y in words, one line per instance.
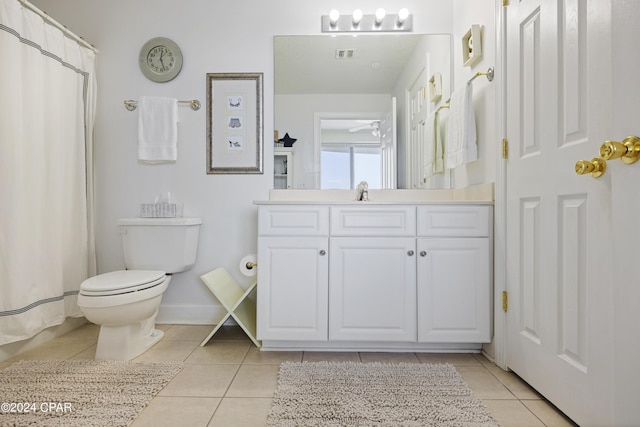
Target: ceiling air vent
column 345, row 53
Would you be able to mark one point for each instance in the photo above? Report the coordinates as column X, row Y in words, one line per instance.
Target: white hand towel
column 429, row 144
column 461, row 138
column 157, row 129
column 438, row 162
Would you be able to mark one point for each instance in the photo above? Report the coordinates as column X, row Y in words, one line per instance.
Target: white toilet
column 125, row 303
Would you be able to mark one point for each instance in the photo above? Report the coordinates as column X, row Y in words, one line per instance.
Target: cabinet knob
column 323, row 252
column 423, row 253
column 410, row 253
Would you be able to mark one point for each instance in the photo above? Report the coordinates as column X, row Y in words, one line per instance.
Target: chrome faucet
column 362, row 192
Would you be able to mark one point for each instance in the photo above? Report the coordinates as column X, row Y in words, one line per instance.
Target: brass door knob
column 628, row 151
column 596, row 167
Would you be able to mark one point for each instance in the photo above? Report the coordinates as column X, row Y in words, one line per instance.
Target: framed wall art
column 234, row 123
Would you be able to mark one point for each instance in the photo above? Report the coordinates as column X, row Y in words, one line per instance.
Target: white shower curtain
column 47, row 106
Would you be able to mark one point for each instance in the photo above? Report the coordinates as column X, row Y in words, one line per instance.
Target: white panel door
column 292, row 288
column 559, row 321
column 417, row 109
column 626, row 209
column 454, row 290
column 372, row 289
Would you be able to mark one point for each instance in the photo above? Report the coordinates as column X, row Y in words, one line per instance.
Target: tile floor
column 230, row 383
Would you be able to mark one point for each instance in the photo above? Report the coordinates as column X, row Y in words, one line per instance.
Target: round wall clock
column 160, row 59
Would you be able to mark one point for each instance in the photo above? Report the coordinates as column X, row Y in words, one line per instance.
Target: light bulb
column 357, row 16
column 334, row 15
column 403, row 14
column 380, row 13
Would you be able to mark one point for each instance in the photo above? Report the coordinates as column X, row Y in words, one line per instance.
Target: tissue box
column 158, row 210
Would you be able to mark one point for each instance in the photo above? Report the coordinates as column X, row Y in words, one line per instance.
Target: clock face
column 160, row 59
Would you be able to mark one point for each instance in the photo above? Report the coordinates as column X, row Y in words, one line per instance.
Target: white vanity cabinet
column 372, row 288
column 292, row 299
column 372, row 274
column 454, row 279
column 367, row 276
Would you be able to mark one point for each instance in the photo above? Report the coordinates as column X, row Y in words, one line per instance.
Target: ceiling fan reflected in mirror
column 373, row 125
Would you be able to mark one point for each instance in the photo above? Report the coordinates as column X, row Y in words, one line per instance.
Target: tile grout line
column 518, row 399
column 224, row 395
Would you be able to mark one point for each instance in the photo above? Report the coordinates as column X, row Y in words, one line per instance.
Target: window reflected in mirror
column 350, row 152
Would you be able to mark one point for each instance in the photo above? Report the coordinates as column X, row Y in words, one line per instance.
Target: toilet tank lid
column 159, row 221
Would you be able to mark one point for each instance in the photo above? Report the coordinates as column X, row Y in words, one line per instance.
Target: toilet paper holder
column 248, row 265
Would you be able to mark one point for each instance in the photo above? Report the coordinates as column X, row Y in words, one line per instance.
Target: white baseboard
column 190, row 314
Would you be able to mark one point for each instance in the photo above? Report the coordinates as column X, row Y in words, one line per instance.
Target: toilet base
column 128, row 341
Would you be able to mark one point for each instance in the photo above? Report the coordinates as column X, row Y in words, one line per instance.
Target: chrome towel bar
column 131, row 105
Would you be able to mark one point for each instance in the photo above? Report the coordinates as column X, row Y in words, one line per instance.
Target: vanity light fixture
column 402, row 16
column 334, row 15
column 357, row 22
column 357, row 17
column 380, row 13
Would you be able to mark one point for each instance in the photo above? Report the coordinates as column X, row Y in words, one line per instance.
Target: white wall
column 466, row 13
column 214, row 37
column 483, row 12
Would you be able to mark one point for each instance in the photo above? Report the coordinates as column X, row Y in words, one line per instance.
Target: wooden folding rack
column 235, row 301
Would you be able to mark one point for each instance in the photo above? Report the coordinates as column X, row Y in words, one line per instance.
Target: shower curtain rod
column 58, row 25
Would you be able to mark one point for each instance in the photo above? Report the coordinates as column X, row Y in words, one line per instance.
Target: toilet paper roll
column 248, row 265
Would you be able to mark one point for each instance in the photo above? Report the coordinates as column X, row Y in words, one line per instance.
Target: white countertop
column 371, row 202
column 476, row 195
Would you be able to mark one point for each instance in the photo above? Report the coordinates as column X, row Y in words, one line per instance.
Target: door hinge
column 505, row 148
column 505, row 301
column 505, row 2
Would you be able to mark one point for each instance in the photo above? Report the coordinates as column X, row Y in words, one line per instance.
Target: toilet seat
column 121, row 282
column 121, row 288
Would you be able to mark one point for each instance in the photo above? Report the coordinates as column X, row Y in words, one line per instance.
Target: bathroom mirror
column 343, row 98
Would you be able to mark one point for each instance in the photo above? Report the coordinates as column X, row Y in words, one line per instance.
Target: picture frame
column 235, row 123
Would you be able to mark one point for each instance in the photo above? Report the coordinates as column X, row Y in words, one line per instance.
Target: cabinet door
column 372, row 289
column 454, row 290
column 292, row 288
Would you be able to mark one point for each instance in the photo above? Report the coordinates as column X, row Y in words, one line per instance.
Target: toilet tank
column 167, row 244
